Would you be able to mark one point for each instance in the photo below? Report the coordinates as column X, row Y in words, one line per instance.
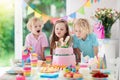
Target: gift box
column 99, row 30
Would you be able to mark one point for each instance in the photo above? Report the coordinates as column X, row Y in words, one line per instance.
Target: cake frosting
column 64, row 56
column 64, row 50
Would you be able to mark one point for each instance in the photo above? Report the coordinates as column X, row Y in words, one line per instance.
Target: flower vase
column 107, row 34
column 107, row 31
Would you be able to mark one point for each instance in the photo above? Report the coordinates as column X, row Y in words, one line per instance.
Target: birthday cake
column 64, row 56
column 63, row 53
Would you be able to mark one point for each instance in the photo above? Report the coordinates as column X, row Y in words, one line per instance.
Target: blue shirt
column 86, row 46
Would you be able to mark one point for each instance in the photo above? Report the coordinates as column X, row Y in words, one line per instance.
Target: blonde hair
column 32, row 21
column 83, row 24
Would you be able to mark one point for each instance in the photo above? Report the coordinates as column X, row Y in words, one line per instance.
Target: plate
column 49, row 75
column 19, row 64
column 12, row 72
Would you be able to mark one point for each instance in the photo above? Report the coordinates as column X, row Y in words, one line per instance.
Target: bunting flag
column 73, row 15
column 32, row 6
column 45, row 18
column 88, row 3
column 91, row 1
column 53, row 20
column 30, row 10
column 81, row 10
column 65, row 18
column 84, row 3
column 95, row 1
column 37, row 10
column 37, row 14
column 98, row 0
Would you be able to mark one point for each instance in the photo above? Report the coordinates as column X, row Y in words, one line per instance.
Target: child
column 36, row 38
column 60, row 32
column 84, row 39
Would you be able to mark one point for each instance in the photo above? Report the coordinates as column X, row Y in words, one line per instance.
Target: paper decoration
column 30, row 10
column 45, row 18
column 73, row 15
column 84, row 3
column 95, row 1
column 53, row 20
column 32, row 6
column 98, row 0
column 88, row 4
column 37, row 14
column 91, row 1
column 65, row 18
column 81, row 10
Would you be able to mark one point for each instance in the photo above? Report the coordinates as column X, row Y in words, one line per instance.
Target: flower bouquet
column 108, row 17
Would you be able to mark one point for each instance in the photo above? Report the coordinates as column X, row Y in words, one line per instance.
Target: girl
column 84, row 39
column 60, row 32
column 36, row 38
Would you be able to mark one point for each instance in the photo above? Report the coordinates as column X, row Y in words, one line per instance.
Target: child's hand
column 44, row 59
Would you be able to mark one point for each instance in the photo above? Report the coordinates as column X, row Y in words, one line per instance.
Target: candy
column 73, row 70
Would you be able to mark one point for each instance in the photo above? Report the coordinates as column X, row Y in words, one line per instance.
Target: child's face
column 79, row 32
column 36, row 28
column 60, row 30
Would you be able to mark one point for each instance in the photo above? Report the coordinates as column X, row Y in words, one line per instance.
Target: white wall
column 74, row 5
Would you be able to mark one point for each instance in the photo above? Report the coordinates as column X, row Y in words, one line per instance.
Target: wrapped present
column 99, row 30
